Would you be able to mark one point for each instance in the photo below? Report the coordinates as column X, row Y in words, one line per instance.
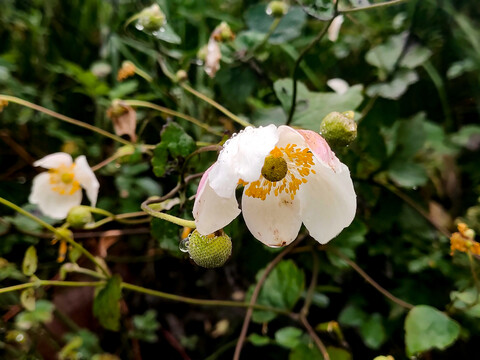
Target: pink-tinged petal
column 52, row 203
column 212, row 60
column 327, row 202
column 211, row 211
column 319, row 146
column 85, row 176
column 54, row 160
column 274, row 221
column 242, row 157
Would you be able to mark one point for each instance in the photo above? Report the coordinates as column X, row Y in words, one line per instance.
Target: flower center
column 275, row 168
column 284, row 170
column 62, row 180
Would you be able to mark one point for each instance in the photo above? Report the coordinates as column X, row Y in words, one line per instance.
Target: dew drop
column 269, row 11
column 139, row 26
column 184, row 244
column 19, row 338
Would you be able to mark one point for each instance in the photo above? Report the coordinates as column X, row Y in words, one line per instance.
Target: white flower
column 290, row 176
column 59, row 189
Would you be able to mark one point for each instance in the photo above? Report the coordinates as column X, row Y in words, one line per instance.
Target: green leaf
column 166, row 233
column 30, row 261
column 106, row 306
column 167, row 34
column 289, row 28
column 338, row 353
column 395, row 88
column 312, row 107
column 288, row 337
column 174, row 142
column 42, row 314
column 427, row 328
column 352, row 316
column 407, row 174
column 259, row 340
column 373, row 332
column 27, row 298
column 467, row 136
column 305, row 352
column 145, row 326
column 281, row 289
column 347, row 241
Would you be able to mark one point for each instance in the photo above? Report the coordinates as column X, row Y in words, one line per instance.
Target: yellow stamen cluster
column 128, row 69
column 463, row 241
column 62, row 180
column 299, row 165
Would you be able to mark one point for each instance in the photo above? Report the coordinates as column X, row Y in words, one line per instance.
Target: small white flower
column 59, row 189
column 290, row 176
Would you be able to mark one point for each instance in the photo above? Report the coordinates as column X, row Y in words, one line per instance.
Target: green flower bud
column 63, row 232
column 223, row 32
column 208, row 251
column 277, row 8
column 78, row 217
column 339, row 129
column 151, row 18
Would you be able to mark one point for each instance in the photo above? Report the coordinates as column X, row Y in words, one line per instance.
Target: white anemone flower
column 59, row 189
column 289, row 177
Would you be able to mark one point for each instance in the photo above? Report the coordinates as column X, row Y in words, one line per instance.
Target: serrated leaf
column 30, row 261
column 106, row 306
column 312, row 107
column 281, row 289
column 427, row 328
column 27, row 298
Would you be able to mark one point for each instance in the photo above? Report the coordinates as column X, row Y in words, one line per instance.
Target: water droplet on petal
column 184, row 244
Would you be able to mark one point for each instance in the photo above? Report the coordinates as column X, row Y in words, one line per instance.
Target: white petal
column 54, row 160
column 212, row 60
column 334, row 28
column 50, row 202
column 274, row 221
column 87, row 179
column 242, row 157
column 338, row 85
column 320, row 148
column 210, row 211
column 327, row 202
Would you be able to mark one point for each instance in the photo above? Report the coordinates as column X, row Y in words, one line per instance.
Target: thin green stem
column 154, row 209
column 474, row 274
column 38, row 283
column 370, row 7
column 203, row 302
column 57, row 233
column 216, row 105
column 146, row 104
column 64, row 118
column 270, row 32
column 143, row 74
column 313, row 284
column 299, row 60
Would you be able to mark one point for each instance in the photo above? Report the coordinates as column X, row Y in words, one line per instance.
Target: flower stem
column 146, row 104
column 64, row 118
column 59, row 234
column 370, row 7
column 38, row 283
column 300, row 58
column 149, row 208
column 474, row 275
column 372, row 282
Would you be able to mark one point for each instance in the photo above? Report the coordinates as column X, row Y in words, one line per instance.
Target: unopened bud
column 277, row 8
column 208, row 251
column 117, row 109
column 151, row 18
column 339, row 129
column 181, row 75
column 61, row 234
column 79, row 216
column 223, row 33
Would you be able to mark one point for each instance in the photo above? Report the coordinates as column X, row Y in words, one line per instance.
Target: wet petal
column 52, row 203
column 54, row 160
column 320, row 148
column 242, row 157
column 327, row 202
column 274, row 221
column 87, row 179
column 211, row 211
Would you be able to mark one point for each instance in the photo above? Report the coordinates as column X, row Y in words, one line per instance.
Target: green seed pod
column 79, row 216
column 339, row 129
column 209, row 251
column 277, row 8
